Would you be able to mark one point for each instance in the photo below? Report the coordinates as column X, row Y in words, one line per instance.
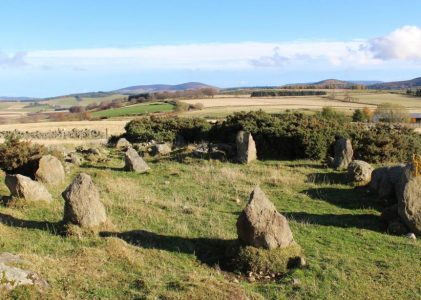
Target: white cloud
column 404, row 44
column 13, row 60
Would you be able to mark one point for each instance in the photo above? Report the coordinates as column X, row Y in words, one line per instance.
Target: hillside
column 162, row 88
column 397, row 85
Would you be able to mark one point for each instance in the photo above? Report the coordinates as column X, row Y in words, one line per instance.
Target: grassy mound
column 268, row 262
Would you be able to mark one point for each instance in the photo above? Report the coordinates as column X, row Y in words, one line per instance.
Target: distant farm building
column 415, row 117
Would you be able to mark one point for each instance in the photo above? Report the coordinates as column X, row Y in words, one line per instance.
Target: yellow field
column 221, row 106
column 114, row 127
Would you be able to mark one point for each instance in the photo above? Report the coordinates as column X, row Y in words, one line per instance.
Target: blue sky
column 52, row 48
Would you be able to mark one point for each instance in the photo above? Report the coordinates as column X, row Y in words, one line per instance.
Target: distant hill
column 329, row 84
column 13, row 99
column 162, row 88
column 397, row 85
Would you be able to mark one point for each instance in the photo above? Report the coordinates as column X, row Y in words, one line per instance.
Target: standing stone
column 123, row 144
column 82, row 204
column 359, row 172
column 409, row 199
column 134, row 163
column 50, row 170
column 24, row 187
column 343, row 153
column 385, row 181
column 261, row 225
column 246, row 147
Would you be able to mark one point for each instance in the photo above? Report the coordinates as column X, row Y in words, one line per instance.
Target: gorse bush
column 286, row 136
column 165, row 129
column 16, row 156
column 385, row 143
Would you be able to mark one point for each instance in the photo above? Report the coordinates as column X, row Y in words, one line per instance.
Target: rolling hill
column 397, row 85
column 162, row 88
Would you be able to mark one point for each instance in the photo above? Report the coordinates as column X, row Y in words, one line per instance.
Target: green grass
column 164, row 221
column 137, row 109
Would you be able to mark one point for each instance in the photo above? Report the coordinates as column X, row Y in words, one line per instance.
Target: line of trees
column 277, row 93
column 416, row 93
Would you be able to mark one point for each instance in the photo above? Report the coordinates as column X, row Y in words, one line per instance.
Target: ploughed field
column 165, row 220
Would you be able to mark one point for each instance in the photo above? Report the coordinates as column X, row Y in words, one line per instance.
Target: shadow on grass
column 101, row 168
column 361, row 221
column 328, row 178
column 52, row 227
column 211, row 251
column 355, row 198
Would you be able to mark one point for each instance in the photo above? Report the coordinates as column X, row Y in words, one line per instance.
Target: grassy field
column 132, row 110
column 164, row 220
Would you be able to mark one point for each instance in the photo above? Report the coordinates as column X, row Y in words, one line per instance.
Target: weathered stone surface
column 123, row 144
column 73, row 158
column 409, row 199
column 360, row 172
column 12, row 277
column 384, row 182
column 246, row 147
column 343, row 153
column 134, row 163
column 261, row 225
column 161, row 149
column 82, row 204
column 24, row 187
column 50, row 170
column 397, row 227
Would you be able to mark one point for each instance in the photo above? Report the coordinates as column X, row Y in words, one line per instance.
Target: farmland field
column 68, row 101
column 137, row 109
column 113, row 126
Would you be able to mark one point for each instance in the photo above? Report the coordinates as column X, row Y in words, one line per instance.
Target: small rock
column 134, row 163
column 24, row 187
column 123, row 144
column 296, row 282
column 411, row 236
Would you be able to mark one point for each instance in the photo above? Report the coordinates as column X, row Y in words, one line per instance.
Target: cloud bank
column 400, row 46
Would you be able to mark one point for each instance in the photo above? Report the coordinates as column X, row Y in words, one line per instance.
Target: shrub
column 165, row 129
column 181, row 106
column 18, row 156
column 385, row 143
column 286, row 136
column 391, row 113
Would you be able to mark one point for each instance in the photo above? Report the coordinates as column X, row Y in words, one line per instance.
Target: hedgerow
column 286, row 136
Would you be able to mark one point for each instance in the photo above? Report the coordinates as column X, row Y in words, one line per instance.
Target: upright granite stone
column 261, row 225
column 343, row 154
column 82, row 205
column 409, row 199
column 385, row 180
column 24, row 187
column 246, row 147
column 50, row 170
column 359, row 172
column 134, row 163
